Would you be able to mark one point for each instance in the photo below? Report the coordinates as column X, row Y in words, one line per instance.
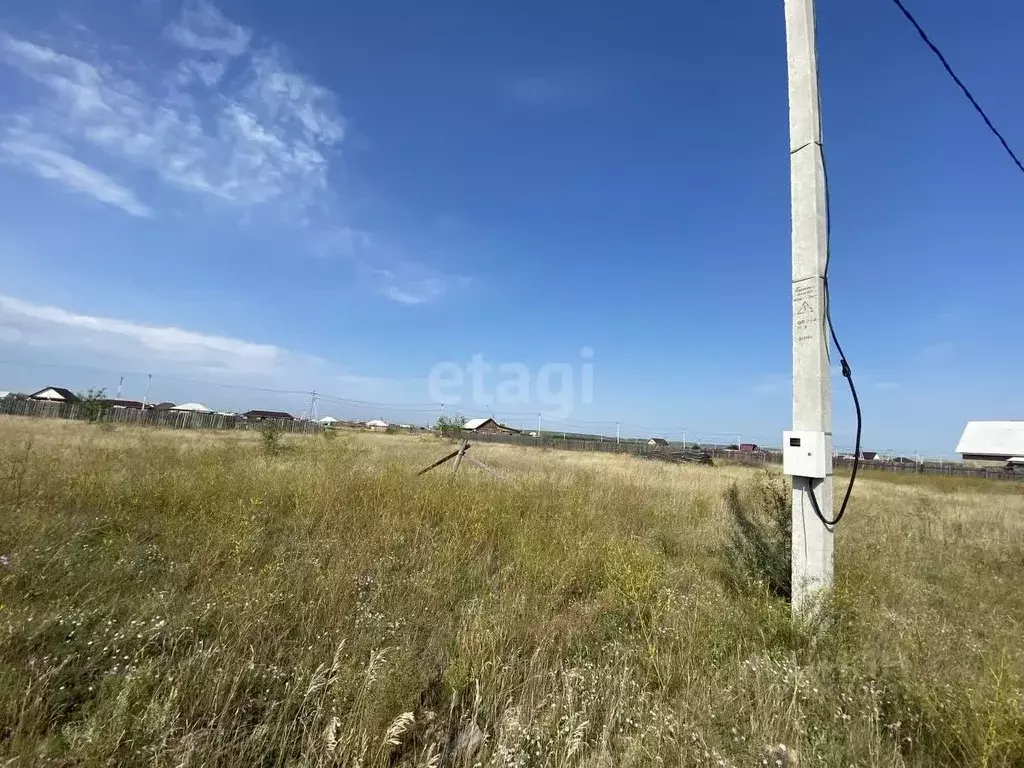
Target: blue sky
column 339, row 197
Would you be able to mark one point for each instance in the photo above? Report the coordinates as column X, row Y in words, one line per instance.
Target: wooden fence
column 152, row 418
column 751, row 458
column 193, row 420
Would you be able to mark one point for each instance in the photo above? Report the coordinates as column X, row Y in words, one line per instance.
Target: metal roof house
column 55, row 394
column 115, row 402
column 268, row 416
column 488, row 425
column 660, row 442
column 991, row 443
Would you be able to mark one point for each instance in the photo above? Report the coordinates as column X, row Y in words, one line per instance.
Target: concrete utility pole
column 812, row 394
column 616, row 433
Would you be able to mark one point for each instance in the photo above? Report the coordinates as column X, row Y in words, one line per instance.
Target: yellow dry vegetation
column 186, row 598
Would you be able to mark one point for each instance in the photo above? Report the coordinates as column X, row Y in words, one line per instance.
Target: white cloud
column 44, row 333
column 417, row 293
column 26, row 150
column 224, row 120
column 267, row 137
column 45, row 326
column 204, row 28
column 412, row 284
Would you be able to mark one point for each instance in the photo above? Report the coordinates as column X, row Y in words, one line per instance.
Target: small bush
column 759, row 550
column 92, row 403
column 270, row 439
column 450, row 425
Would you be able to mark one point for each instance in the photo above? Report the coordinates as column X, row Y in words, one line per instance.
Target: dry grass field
column 187, row 599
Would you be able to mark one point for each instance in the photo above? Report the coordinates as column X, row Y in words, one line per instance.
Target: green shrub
column 448, row 425
column 92, row 404
column 270, row 438
column 759, row 548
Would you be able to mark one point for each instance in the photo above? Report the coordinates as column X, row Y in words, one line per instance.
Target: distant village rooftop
column 488, row 425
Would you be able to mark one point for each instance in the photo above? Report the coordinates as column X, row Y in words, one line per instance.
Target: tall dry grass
column 194, row 599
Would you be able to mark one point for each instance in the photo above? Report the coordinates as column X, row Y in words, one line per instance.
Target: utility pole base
column 813, row 545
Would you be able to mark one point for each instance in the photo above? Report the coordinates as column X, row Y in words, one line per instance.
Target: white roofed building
column 55, row 395
column 377, row 425
column 488, row 425
column 991, row 443
column 193, row 407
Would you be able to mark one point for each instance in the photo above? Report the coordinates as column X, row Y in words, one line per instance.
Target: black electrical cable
column 970, row 97
column 844, row 364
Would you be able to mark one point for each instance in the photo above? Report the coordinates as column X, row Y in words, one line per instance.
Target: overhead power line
column 970, row 97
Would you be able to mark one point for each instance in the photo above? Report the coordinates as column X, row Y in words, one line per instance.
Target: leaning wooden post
column 462, row 452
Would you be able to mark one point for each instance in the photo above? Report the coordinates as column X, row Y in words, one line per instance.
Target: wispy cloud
column 413, row 284
column 550, row 90
column 266, row 137
column 425, row 290
column 46, row 326
column 204, row 28
column 44, row 332
column 48, row 162
column 222, row 120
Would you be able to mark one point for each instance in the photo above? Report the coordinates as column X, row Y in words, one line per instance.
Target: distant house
column 660, row 442
column 869, row 455
column 55, row 395
column 119, row 403
column 991, row 443
column 748, row 447
column 268, row 416
column 163, row 407
column 327, row 420
column 488, row 426
column 377, row 425
column 191, row 407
